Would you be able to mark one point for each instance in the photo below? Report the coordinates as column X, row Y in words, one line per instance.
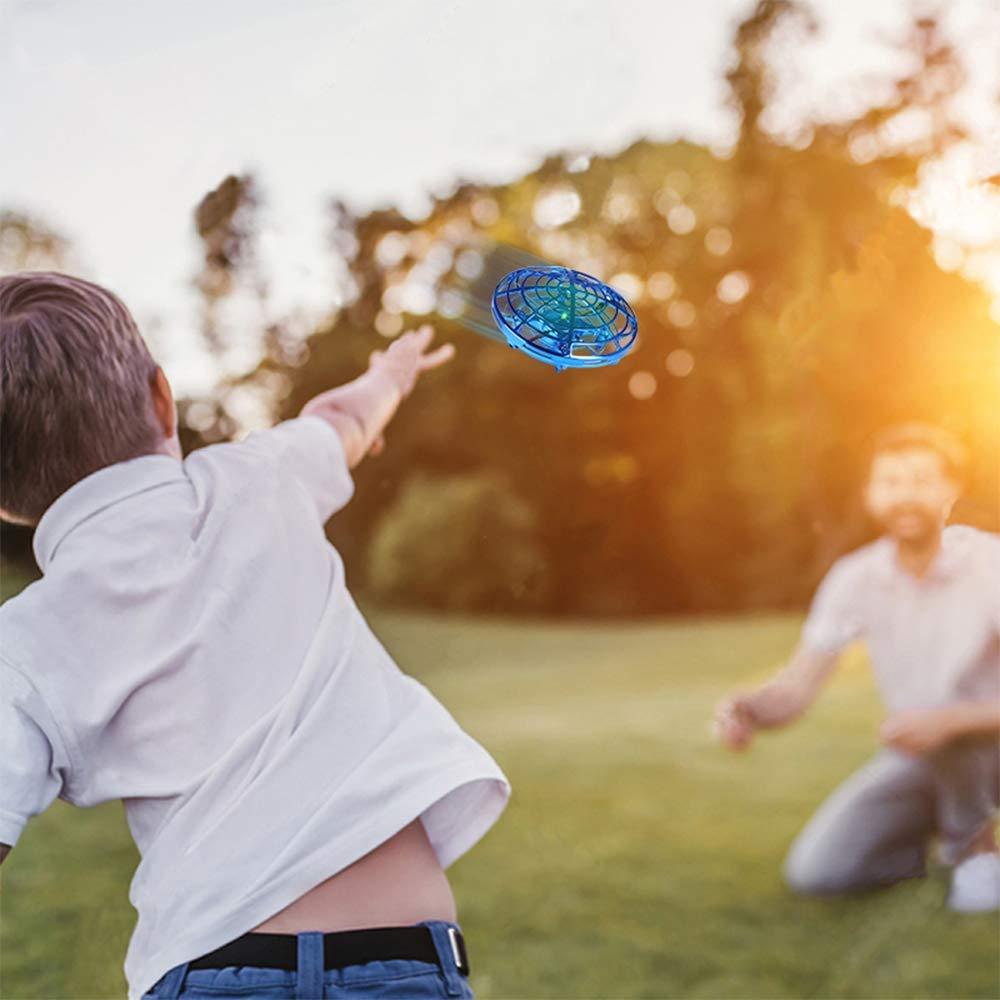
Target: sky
column 118, row 116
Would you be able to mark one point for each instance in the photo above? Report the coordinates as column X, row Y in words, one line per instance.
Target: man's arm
column 834, row 621
column 778, row 702
column 922, row 730
column 360, row 410
column 976, row 718
column 4, row 851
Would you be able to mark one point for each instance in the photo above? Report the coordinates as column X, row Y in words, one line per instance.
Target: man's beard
column 912, row 525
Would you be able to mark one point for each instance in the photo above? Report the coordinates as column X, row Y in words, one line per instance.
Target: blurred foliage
column 27, row 244
column 789, row 307
column 224, row 220
column 439, row 525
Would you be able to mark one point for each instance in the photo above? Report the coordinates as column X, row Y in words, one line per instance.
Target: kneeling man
column 926, row 600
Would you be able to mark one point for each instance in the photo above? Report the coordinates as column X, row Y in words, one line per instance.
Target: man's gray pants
column 876, row 827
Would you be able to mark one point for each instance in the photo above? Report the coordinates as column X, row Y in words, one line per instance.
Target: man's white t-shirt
column 192, row 649
column 932, row 640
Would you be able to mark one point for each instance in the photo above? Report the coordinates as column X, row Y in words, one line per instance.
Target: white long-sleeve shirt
column 192, row 649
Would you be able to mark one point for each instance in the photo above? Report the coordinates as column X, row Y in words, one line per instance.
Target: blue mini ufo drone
column 563, row 317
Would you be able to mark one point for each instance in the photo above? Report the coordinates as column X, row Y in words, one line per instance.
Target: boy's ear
column 163, row 403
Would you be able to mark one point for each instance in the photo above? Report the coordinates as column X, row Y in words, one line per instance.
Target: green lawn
column 636, row 859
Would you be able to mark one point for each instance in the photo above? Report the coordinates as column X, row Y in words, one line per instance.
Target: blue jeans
column 398, row 979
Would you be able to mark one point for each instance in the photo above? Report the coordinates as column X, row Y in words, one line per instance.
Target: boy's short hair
column 74, row 388
column 908, row 436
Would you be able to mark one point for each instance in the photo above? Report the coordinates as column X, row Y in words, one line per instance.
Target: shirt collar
column 95, row 492
column 943, row 567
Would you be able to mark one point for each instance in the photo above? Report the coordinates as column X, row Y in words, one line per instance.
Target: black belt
column 340, row 949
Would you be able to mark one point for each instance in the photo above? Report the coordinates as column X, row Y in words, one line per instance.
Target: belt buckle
column 458, row 951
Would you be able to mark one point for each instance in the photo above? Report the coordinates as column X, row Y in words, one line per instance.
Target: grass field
column 635, row 860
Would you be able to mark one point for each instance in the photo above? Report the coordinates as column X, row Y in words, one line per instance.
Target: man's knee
column 809, row 873
column 871, row 831
column 812, row 870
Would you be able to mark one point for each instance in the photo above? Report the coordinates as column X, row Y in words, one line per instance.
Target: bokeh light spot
column 718, row 241
column 392, row 298
column 661, row 285
column 556, row 206
column 391, row 249
column 485, row 211
column 680, row 363
column 630, row 285
column 469, row 264
column 733, row 287
column 681, row 219
column 620, row 206
column 388, row 324
column 681, row 313
column 450, row 304
column 642, row 385
column 418, row 298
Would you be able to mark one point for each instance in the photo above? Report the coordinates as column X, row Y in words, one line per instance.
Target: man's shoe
column 975, row 884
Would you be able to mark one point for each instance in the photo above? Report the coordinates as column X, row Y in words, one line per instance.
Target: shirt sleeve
column 834, row 619
column 309, row 450
column 34, row 766
column 991, row 543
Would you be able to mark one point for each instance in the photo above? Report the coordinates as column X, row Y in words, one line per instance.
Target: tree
column 788, row 307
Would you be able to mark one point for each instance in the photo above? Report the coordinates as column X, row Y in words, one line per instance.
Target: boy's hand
column 405, row 359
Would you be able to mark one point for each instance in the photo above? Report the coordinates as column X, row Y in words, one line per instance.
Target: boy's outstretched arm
column 360, row 410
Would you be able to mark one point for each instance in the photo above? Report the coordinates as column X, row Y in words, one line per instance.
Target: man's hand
column 919, row 731
column 404, row 359
column 778, row 702
column 734, row 723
